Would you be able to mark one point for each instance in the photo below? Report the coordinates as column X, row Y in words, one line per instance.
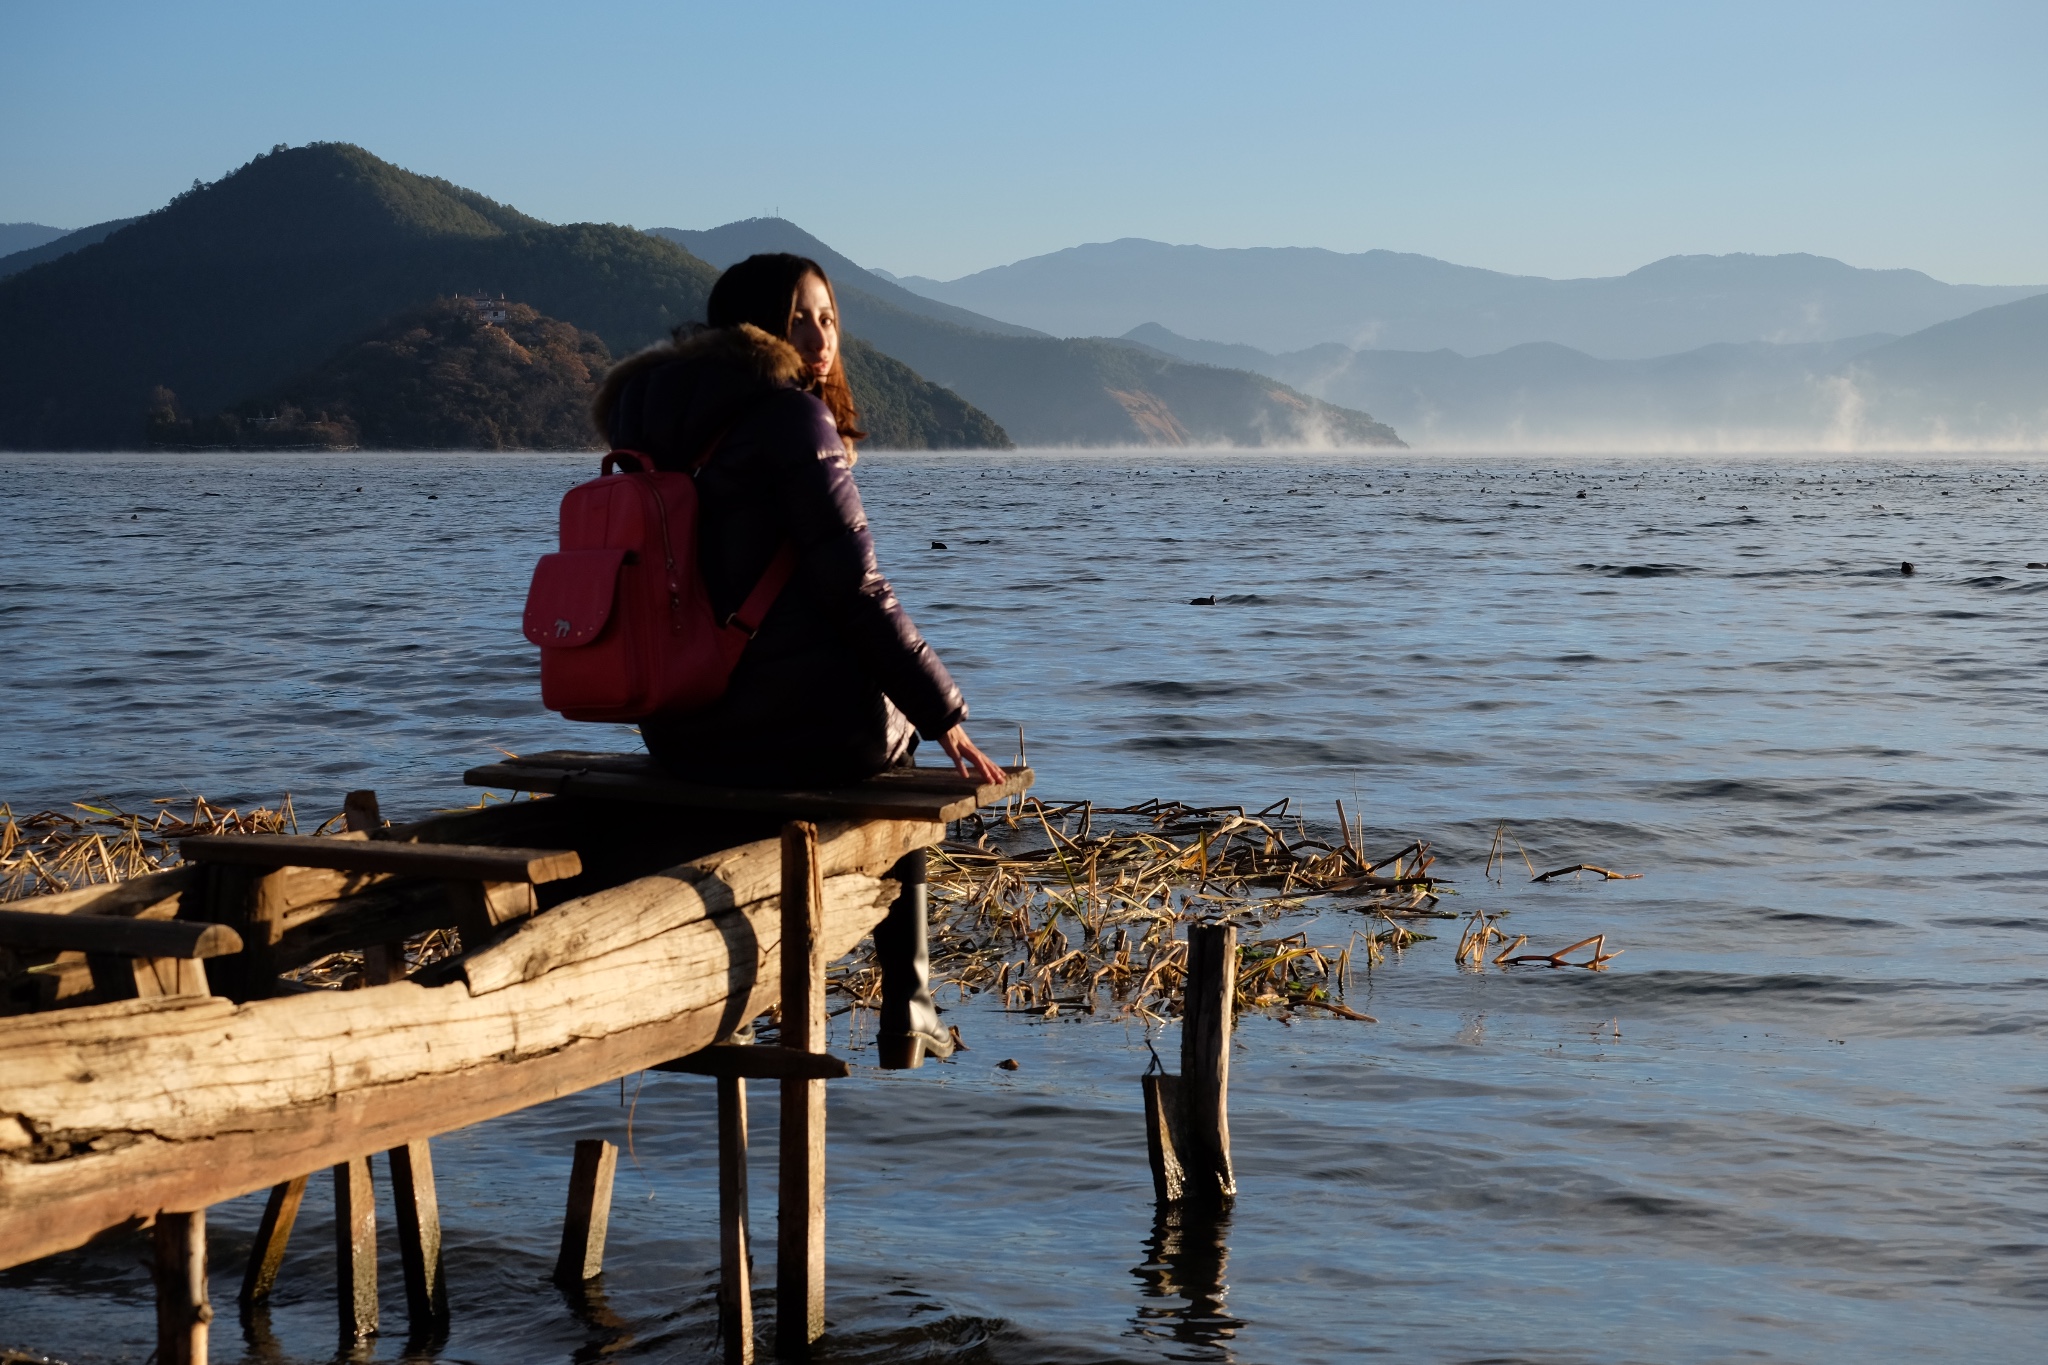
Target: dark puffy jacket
column 823, row 691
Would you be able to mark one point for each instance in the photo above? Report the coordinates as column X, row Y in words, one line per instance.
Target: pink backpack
column 620, row 613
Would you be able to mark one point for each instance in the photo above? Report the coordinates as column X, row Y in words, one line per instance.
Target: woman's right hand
column 971, row 762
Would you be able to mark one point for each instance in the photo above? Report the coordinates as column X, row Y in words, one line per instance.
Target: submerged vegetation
column 1054, row 907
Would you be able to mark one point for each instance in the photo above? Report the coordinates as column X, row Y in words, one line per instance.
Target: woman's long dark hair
column 762, row 290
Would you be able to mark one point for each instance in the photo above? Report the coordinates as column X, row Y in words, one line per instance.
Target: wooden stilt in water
column 1187, row 1117
column 590, row 1212
column 417, row 1214
column 183, row 1315
column 800, row 1234
column 272, row 1236
column 735, row 1249
column 1205, row 1059
column 355, row 1249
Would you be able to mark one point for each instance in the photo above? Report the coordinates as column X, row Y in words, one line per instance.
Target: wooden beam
column 153, row 895
column 273, row 1234
column 800, row 1195
column 691, row 892
column 735, row 1246
column 124, row 937
column 183, row 1314
column 759, row 1064
column 359, row 813
column 448, row 862
column 111, row 1112
column 623, row 779
column 355, row 1249
column 589, row 1214
column 417, row 1215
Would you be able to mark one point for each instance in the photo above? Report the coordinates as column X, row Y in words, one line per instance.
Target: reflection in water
column 609, row 1333
column 1185, row 1259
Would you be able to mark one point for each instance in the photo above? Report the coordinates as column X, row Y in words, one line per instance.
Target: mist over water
column 1801, row 1119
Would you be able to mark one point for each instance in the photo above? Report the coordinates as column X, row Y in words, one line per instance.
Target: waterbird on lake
column 1208, row 601
column 1906, row 567
column 938, row 545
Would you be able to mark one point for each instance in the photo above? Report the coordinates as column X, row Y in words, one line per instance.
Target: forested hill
column 235, row 288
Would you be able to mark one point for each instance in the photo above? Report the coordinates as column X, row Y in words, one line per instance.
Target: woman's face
column 814, row 329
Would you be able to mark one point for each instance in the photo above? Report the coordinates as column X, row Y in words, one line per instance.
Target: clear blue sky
column 1553, row 139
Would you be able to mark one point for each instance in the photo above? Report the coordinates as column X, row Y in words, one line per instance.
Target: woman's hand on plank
column 971, row 761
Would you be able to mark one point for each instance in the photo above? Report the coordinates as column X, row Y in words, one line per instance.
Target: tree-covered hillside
column 901, row 410
column 236, row 287
column 435, row 378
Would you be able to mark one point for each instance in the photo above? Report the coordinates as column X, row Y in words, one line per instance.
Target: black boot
column 910, row 1030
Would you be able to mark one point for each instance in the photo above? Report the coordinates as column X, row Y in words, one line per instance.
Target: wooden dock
column 621, row 922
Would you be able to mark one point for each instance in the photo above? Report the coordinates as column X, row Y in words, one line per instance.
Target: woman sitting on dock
column 838, row 683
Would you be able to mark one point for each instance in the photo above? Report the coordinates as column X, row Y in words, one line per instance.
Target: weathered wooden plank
column 417, row 1215
column 183, row 1314
column 355, row 1249
column 619, row 778
column 273, row 1235
column 759, row 1064
column 110, row 934
column 735, row 1245
column 154, row 895
column 640, row 910
column 450, row 862
column 800, row 1230
column 589, row 1214
column 111, row 1112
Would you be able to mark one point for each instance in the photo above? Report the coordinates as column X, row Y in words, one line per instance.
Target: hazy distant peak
column 26, row 236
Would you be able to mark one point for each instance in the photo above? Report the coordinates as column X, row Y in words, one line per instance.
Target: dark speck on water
column 1833, row 793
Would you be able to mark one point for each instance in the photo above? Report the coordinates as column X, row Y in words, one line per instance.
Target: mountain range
column 1283, row 299
column 240, row 292
column 1978, row 380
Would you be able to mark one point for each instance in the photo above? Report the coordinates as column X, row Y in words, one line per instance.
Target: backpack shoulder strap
column 747, row 620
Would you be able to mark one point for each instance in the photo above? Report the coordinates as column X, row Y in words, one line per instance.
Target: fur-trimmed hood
column 671, row 397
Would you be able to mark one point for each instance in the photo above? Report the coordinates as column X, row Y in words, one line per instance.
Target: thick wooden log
column 109, row 1113
column 183, row 1314
column 447, row 862
column 735, row 1247
column 355, row 1249
column 273, row 1235
column 759, row 1064
column 1205, row 1060
column 109, row 934
column 800, row 1195
column 417, row 1215
column 589, row 1215
column 697, row 889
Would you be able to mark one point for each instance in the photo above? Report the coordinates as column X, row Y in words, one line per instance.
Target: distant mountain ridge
column 1046, row 391
column 1970, row 382
column 61, row 245
column 22, row 236
column 1288, row 298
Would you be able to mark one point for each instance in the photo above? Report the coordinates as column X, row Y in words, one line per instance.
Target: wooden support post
column 735, row 1250
column 182, row 1313
column 355, row 1249
column 272, row 1235
column 800, row 1234
column 418, row 1216
column 1205, row 1060
column 1165, row 1139
column 590, row 1212
column 251, row 900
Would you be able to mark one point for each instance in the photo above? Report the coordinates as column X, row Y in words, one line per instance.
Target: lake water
column 1804, row 1118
